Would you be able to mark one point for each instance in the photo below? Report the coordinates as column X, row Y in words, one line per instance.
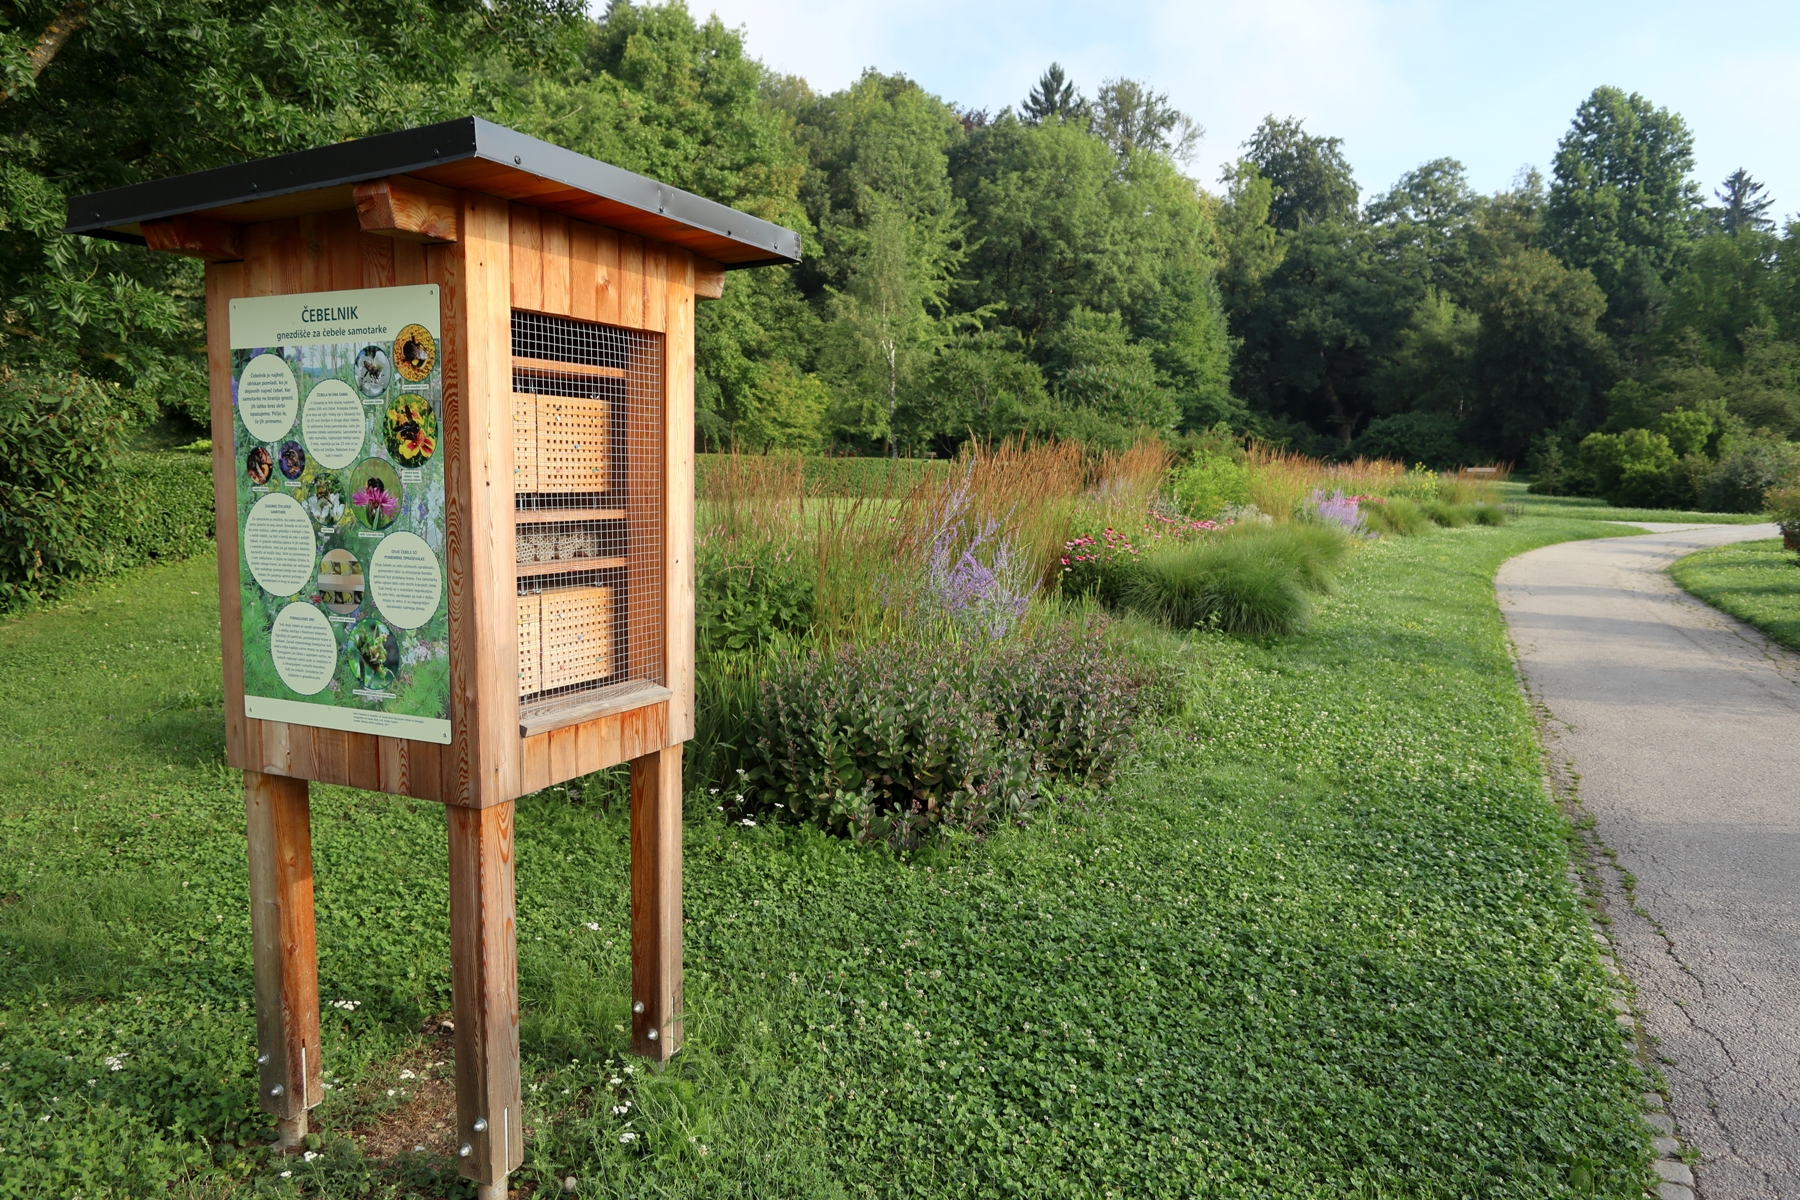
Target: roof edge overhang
column 466, row 152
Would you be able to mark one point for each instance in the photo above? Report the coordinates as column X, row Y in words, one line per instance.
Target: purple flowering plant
column 1337, row 509
column 974, row 574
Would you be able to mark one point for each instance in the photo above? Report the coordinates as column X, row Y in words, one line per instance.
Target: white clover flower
column 409, row 1075
column 626, row 1138
column 620, row 1110
column 346, row 1005
column 309, row 1156
column 593, row 925
column 115, row 1062
column 615, row 1081
column 286, row 1174
column 748, row 823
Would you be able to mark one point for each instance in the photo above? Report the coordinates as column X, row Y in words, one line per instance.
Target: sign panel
column 338, row 404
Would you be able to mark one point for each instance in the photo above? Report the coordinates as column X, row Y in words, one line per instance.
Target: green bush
column 1249, row 580
column 750, row 600
column 1396, row 516
column 1207, row 485
column 65, row 500
column 893, row 741
column 1741, row 480
column 1487, row 514
column 170, row 497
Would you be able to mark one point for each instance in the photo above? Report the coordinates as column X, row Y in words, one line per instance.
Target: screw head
column 517, row 159
column 637, row 1006
column 277, row 1090
column 262, row 1060
column 652, row 1035
column 480, row 1125
column 464, row 1150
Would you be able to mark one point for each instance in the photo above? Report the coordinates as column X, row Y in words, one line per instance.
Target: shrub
column 1783, row 504
column 1741, row 480
column 66, row 502
column 1488, row 514
column 749, row 600
column 892, row 741
column 1204, row 487
column 1396, row 515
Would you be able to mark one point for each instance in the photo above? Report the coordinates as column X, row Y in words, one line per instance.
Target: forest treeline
column 1050, row 269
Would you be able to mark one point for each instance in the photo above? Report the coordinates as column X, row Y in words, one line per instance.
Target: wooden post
column 656, row 904
column 283, row 951
column 485, row 995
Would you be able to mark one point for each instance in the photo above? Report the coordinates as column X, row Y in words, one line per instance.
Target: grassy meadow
column 1315, row 938
column 1756, row 582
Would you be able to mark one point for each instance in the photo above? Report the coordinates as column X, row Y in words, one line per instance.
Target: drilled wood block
column 577, row 636
column 572, row 445
column 531, row 650
column 525, row 442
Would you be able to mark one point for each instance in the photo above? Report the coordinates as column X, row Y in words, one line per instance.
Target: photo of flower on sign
column 337, row 400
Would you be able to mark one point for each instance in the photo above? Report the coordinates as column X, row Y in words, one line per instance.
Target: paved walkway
column 1682, row 727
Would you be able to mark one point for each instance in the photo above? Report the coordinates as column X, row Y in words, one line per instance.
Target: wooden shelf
column 538, row 516
column 566, row 368
column 527, row 570
column 544, row 715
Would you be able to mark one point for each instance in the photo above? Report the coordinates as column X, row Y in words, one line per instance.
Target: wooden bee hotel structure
column 452, row 380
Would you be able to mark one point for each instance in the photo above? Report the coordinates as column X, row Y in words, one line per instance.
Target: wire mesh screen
column 588, row 501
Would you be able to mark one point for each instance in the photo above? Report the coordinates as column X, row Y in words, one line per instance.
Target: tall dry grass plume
column 1473, row 485
column 1280, row 480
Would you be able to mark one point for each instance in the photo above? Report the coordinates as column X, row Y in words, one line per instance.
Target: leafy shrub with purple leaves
column 892, row 741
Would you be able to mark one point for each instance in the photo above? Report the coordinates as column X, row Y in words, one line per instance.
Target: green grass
column 1756, row 582
column 1319, row 939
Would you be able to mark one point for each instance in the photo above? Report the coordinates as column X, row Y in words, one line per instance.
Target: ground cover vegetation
column 1197, row 914
column 1756, row 582
column 1049, row 270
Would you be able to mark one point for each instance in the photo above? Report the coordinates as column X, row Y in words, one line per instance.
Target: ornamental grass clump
column 893, row 741
column 1395, row 516
column 1252, row 580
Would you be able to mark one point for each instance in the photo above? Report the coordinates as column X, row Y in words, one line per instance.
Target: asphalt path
column 1679, row 728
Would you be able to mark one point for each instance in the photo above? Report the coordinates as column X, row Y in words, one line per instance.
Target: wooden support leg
column 656, row 904
column 484, row 979
column 283, row 951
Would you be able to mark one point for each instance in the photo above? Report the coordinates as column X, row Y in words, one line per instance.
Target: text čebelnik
column 310, row 316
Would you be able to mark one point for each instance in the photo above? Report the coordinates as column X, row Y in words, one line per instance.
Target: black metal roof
column 466, row 152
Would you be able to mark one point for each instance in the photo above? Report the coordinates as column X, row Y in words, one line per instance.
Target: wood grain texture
column 631, row 282
column 478, row 299
column 606, row 307
column 556, row 269
column 709, row 279
column 196, row 237
column 284, row 954
column 678, row 475
column 597, row 744
column 406, row 208
column 224, row 283
column 484, row 990
column 527, row 255
column 656, row 1032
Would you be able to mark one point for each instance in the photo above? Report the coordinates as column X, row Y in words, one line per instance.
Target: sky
column 1494, row 85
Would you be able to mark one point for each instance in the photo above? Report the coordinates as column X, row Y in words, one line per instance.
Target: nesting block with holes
column 517, row 455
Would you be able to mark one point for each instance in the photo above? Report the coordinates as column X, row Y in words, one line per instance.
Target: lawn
column 1756, row 582
column 1319, row 940
column 1590, row 508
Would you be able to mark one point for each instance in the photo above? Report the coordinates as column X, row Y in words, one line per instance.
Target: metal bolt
column 637, row 1006
column 518, row 159
column 464, row 1150
column 652, row 1035
column 480, row 1125
column 276, row 1090
column 262, row 1060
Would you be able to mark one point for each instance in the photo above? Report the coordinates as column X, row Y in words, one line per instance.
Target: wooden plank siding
column 508, row 255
